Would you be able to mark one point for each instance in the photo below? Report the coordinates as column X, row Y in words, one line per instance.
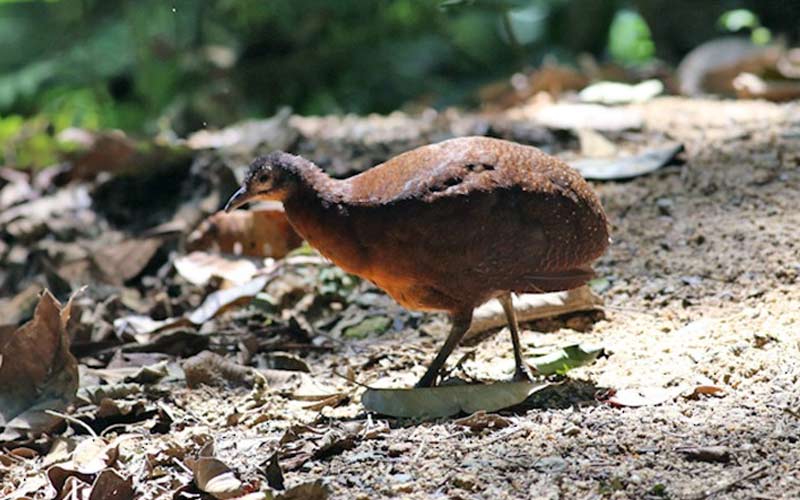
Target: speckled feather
column 450, row 225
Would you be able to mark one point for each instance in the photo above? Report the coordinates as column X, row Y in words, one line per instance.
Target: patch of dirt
column 702, row 290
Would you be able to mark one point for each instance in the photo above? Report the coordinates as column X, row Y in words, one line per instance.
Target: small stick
column 731, row 484
column 73, row 420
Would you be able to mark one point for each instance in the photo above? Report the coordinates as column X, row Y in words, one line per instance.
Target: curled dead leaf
column 37, row 370
column 255, row 233
column 199, row 267
column 213, row 476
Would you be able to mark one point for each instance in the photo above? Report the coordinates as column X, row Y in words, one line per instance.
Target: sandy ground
column 702, row 290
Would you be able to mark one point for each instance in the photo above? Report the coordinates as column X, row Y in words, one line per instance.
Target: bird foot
column 427, row 380
column 523, row 373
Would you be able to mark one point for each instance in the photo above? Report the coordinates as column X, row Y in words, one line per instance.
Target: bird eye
column 263, row 179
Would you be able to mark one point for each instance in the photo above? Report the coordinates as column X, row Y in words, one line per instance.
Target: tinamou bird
column 445, row 227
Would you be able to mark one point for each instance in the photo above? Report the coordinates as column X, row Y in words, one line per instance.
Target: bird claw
column 524, row 373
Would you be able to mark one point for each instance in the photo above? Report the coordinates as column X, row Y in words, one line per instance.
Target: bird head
column 268, row 178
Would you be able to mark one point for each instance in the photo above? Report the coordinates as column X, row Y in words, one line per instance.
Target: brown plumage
column 445, row 227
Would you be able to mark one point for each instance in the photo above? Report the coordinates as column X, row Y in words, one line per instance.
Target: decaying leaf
column 88, row 464
column 37, row 371
column 567, row 116
column 626, row 167
column 255, row 233
column 532, row 306
column 124, row 260
column 109, row 485
column 219, row 300
column 212, row 369
column 447, row 400
column 315, row 490
column 199, row 267
column 213, row 476
column 215, row 303
column 481, row 420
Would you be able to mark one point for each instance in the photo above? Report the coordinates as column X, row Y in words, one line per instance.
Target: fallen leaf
column 566, row 116
column 706, row 390
column 141, row 327
column 565, row 359
column 219, row 300
column 626, row 167
column 447, row 400
column 621, row 93
column 210, row 368
column 307, row 491
column 594, row 144
column 37, row 371
column 480, row 420
column 213, row 476
column 199, row 267
column 109, row 485
column 125, row 260
column 332, row 401
column 255, row 233
column 531, row 306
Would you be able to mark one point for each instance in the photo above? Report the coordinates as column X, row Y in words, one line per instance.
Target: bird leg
column 522, row 371
column 460, row 322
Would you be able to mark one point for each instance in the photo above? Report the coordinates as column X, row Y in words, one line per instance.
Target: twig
column 72, row 419
column 794, row 413
column 731, row 484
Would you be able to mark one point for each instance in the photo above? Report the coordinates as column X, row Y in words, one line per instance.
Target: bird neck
column 317, row 208
column 310, row 183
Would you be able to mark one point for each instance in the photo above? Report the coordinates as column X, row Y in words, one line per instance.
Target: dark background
column 150, row 66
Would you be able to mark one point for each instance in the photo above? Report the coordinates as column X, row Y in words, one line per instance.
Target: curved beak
column 239, row 198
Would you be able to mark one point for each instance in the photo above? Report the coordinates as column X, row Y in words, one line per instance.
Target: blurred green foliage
column 174, row 66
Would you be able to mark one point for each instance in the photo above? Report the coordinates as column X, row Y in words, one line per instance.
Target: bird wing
column 450, row 168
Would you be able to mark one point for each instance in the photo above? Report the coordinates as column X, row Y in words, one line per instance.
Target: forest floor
column 700, row 289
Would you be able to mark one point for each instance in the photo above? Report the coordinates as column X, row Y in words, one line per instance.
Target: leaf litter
column 299, row 319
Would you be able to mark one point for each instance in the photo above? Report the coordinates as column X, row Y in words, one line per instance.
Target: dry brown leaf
column 37, row 371
column 213, row 476
column 123, row 261
column 255, row 233
column 306, row 491
column 210, row 368
column 481, row 420
column 109, row 485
